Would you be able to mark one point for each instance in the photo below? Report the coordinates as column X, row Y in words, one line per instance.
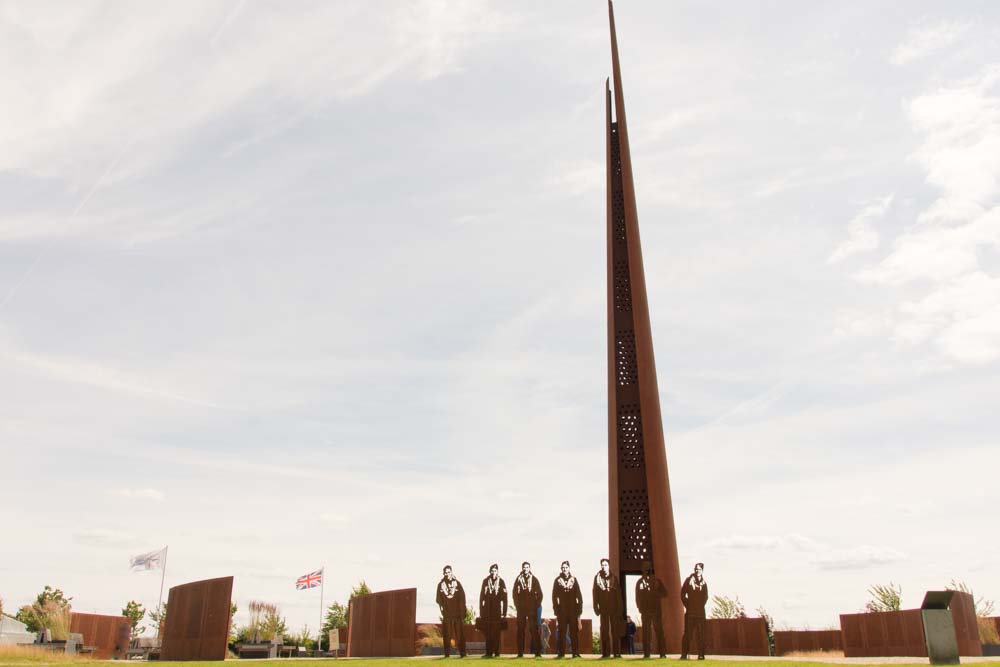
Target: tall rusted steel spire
column 640, row 512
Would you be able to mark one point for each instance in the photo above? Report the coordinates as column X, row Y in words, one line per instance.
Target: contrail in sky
column 79, row 207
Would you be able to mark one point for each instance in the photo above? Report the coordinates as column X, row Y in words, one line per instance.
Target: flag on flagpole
column 311, row 580
column 148, row 561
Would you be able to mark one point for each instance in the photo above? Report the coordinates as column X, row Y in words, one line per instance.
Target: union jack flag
column 311, row 580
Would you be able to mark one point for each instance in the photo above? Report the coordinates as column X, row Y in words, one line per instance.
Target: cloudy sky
column 293, row 285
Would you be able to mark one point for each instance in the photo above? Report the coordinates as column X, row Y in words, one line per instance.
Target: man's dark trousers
column 609, row 640
column 492, row 631
column 651, row 623
column 572, row 623
column 691, row 626
column 528, row 620
column 447, row 626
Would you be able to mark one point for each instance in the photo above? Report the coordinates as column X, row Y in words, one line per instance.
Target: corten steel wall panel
column 904, row 633
column 850, row 630
column 894, row 634
column 640, row 513
column 901, row 633
column 403, row 628
column 109, row 635
column 875, row 634
column 383, row 624
column 360, row 626
column 788, row 641
column 361, row 608
column 736, row 636
column 508, row 637
column 883, row 634
column 963, row 612
column 380, row 625
column 199, row 620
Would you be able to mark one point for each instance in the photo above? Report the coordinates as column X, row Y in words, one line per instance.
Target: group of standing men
column 567, row 603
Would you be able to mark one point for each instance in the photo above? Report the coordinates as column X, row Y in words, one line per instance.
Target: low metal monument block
column 939, row 628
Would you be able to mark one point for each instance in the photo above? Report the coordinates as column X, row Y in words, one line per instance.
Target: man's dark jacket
column 451, row 598
column 493, row 600
column 527, row 594
column 648, row 594
column 567, row 600
column 607, row 595
column 694, row 597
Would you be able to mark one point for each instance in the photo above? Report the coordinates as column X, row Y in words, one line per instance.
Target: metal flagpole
column 163, row 575
column 322, row 585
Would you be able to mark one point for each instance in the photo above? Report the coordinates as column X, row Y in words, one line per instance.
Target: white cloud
column 439, row 31
column 816, row 553
column 669, row 124
column 960, row 149
column 963, row 316
column 792, row 541
column 745, row 543
column 585, row 177
column 140, row 494
column 924, row 40
column 859, row 558
column 945, row 257
column 861, row 233
column 103, row 537
column 85, row 372
column 334, row 518
column 81, row 82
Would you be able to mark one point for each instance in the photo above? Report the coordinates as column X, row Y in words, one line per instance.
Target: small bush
column 988, row 631
column 983, row 606
column 884, row 598
column 49, row 615
column 726, row 607
column 429, row 635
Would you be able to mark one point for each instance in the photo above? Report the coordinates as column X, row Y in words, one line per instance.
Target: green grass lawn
column 395, row 662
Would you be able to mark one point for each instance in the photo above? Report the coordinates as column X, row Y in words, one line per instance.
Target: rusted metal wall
column 891, row 633
column 383, row 624
column 508, row 637
column 727, row 636
column 901, row 633
column 198, row 620
column 788, row 641
column 109, row 635
column 736, row 636
column 963, row 611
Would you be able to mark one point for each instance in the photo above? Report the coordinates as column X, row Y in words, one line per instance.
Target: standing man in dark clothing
column 527, row 598
column 451, row 600
column 608, row 605
column 694, row 595
column 492, row 609
column 567, row 602
column 649, row 591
